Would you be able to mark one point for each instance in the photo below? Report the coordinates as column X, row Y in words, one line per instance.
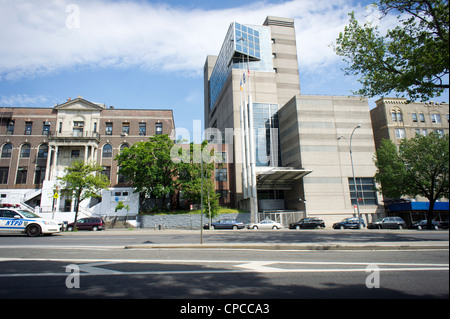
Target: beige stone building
column 37, row 144
column 396, row 119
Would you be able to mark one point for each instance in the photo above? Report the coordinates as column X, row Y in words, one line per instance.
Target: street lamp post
column 353, row 171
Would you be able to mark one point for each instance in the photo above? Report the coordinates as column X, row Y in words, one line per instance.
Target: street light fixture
column 353, row 171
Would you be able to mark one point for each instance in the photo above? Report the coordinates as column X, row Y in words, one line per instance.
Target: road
column 44, row 267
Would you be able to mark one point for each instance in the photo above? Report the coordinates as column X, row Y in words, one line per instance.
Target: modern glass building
column 284, row 153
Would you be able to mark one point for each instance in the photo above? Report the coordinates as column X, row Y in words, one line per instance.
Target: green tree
column 81, row 181
column 412, row 59
column 149, row 167
column 419, row 168
column 190, row 178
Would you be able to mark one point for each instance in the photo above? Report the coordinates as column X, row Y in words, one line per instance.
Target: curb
column 303, row 246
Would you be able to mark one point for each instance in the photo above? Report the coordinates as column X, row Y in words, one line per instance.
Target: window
column 109, row 128
column 10, row 128
column 422, row 117
column 107, row 150
column 78, row 127
column 7, row 150
column 125, row 128
column 414, row 117
column 107, row 172
column 75, row 153
column 25, row 151
column 158, row 129
column 45, row 128
column 396, row 116
column 417, row 131
column 39, row 176
column 28, row 128
column 43, row 151
column 440, row 132
column 435, row 118
column 124, row 146
column 22, row 175
column 367, row 194
column 142, row 129
column 4, row 175
column 400, row 133
column 221, row 174
column 424, row 132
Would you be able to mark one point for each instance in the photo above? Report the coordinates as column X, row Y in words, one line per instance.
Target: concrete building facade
column 299, row 164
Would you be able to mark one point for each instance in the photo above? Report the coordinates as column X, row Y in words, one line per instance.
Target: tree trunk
column 76, row 214
column 430, row 214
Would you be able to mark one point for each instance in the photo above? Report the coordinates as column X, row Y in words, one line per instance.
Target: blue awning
column 418, row 206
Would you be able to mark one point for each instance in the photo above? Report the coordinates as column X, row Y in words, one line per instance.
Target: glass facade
column 267, row 138
column 244, row 46
column 367, row 194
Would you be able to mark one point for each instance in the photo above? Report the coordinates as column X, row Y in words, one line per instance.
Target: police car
column 19, row 220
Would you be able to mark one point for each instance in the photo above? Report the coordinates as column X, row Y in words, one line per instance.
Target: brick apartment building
column 38, row 143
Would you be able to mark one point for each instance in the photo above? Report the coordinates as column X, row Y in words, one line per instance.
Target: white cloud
column 41, row 36
column 25, row 99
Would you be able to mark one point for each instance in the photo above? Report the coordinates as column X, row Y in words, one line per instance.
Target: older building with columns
column 37, row 144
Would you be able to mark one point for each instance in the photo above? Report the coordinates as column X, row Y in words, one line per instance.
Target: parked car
column 88, row 223
column 422, row 224
column 347, row 223
column 388, row 223
column 19, row 220
column 225, row 224
column 443, row 224
column 265, row 224
column 311, row 223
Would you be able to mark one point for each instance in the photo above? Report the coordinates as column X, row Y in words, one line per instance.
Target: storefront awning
column 282, row 178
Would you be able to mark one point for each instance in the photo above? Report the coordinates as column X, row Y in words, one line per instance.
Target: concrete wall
column 189, row 221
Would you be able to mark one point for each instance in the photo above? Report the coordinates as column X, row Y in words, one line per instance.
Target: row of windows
column 401, row 132
column 22, row 174
column 397, row 116
column 25, row 151
column 79, row 125
column 28, row 128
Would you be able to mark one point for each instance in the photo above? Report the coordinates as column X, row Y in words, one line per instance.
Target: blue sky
column 150, row 54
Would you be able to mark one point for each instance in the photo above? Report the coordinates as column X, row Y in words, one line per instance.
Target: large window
column 25, row 151
column 4, row 175
column 367, row 194
column 22, row 175
column 7, row 150
column 107, row 150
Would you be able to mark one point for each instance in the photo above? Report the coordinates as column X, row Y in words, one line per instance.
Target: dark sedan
column 311, row 223
column 422, row 224
column 225, row 224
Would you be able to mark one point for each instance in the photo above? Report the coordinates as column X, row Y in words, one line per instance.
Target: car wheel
column 33, row 230
column 342, row 227
column 255, row 227
column 235, row 227
column 400, row 227
column 95, row 228
column 379, row 227
column 419, row 227
column 70, row 228
column 212, row 227
column 298, row 227
column 274, row 227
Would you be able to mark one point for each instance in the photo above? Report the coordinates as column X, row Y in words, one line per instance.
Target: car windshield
column 28, row 214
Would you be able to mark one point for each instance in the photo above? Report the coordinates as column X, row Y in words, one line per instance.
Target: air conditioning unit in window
column 124, row 134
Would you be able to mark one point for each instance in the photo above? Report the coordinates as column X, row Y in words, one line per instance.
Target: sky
column 140, row 54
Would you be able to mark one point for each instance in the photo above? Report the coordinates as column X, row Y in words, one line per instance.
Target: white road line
column 91, row 267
